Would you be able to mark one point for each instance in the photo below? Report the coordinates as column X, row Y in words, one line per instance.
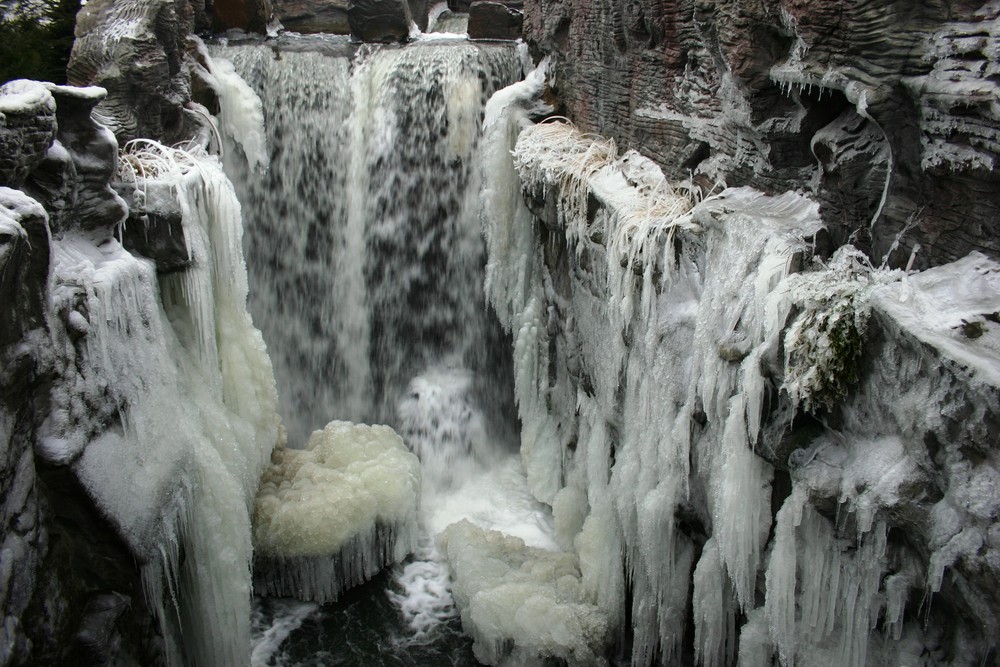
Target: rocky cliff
column 881, row 111
column 766, row 446
column 120, row 400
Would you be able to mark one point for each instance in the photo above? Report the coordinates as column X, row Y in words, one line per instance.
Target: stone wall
column 850, row 100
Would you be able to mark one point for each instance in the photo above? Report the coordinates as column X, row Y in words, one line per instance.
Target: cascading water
column 366, row 261
column 363, row 242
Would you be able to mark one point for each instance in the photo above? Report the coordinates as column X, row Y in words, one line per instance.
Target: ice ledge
column 954, row 308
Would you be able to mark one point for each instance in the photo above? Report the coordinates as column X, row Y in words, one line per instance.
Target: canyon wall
column 883, row 112
column 766, row 487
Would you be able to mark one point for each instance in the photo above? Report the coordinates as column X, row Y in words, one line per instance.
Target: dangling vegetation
column 36, row 37
column 824, row 343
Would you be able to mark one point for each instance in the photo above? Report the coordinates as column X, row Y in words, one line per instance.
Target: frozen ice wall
column 363, row 238
column 172, row 414
column 731, row 433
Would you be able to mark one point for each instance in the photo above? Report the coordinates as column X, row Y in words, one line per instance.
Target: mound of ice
column 522, row 605
column 332, row 515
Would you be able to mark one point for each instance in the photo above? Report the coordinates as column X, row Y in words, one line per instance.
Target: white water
column 363, row 241
column 364, row 246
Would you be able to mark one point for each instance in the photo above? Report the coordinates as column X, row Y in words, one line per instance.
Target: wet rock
column 249, row 15
column 379, row 20
column 313, row 16
column 494, row 20
column 418, row 12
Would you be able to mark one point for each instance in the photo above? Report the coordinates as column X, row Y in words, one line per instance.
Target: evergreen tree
column 36, row 37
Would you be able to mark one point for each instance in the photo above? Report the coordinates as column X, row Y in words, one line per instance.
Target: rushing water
column 366, row 260
column 363, row 241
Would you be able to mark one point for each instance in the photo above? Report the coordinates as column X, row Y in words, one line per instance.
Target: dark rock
column 313, row 16
column 379, row 20
column 27, row 128
column 155, row 227
column 418, row 12
column 649, row 74
column 248, row 15
column 459, row 5
column 494, row 20
column 137, row 51
column 24, row 254
column 72, row 182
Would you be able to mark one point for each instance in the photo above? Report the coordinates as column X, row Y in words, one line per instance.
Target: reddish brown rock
column 249, row 15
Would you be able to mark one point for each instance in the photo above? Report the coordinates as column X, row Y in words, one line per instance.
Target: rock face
column 55, row 583
column 880, row 109
column 752, row 453
column 494, row 20
column 248, row 15
column 379, row 20
column 312, row 16
column 137, row 51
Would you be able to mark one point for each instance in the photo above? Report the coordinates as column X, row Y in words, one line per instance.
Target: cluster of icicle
column 678, row 325
column 330, row 516
column 180, row 360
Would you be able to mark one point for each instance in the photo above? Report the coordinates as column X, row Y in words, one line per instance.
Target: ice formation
column 188, row 389
column 332, row 515
column 661, row 336
column 522, row 605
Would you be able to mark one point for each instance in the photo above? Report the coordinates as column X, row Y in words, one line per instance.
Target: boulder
column 379, row 20
column 249, row 15
column 494, row 20
column 313, row 16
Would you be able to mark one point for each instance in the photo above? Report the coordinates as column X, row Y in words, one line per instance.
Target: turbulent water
column 363, row 242
column 366, row 259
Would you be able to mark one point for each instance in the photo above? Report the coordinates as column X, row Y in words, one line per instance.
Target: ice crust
column 335, row 513
column 509, row 593
column 658, row 336
column 177, row 369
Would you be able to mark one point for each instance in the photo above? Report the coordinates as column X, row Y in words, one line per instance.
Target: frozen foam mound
column 522, row 605
column 330, row 516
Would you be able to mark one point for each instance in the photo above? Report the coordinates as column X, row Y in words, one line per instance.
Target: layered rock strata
column 879, row 110
column 756, row 455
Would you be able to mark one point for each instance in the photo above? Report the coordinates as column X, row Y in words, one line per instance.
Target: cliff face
column 772, row 484
column 123, row 392
column 853, row 101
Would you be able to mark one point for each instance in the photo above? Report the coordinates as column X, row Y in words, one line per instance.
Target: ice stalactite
column 652, row 241
column 191, row 390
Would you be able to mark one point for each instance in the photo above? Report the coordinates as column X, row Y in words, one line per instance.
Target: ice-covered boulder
column 27, row 128
column 523, row 606
column 330, row 516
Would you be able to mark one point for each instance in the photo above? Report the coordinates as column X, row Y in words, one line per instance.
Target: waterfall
column 363, row 241
column 366, row 263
